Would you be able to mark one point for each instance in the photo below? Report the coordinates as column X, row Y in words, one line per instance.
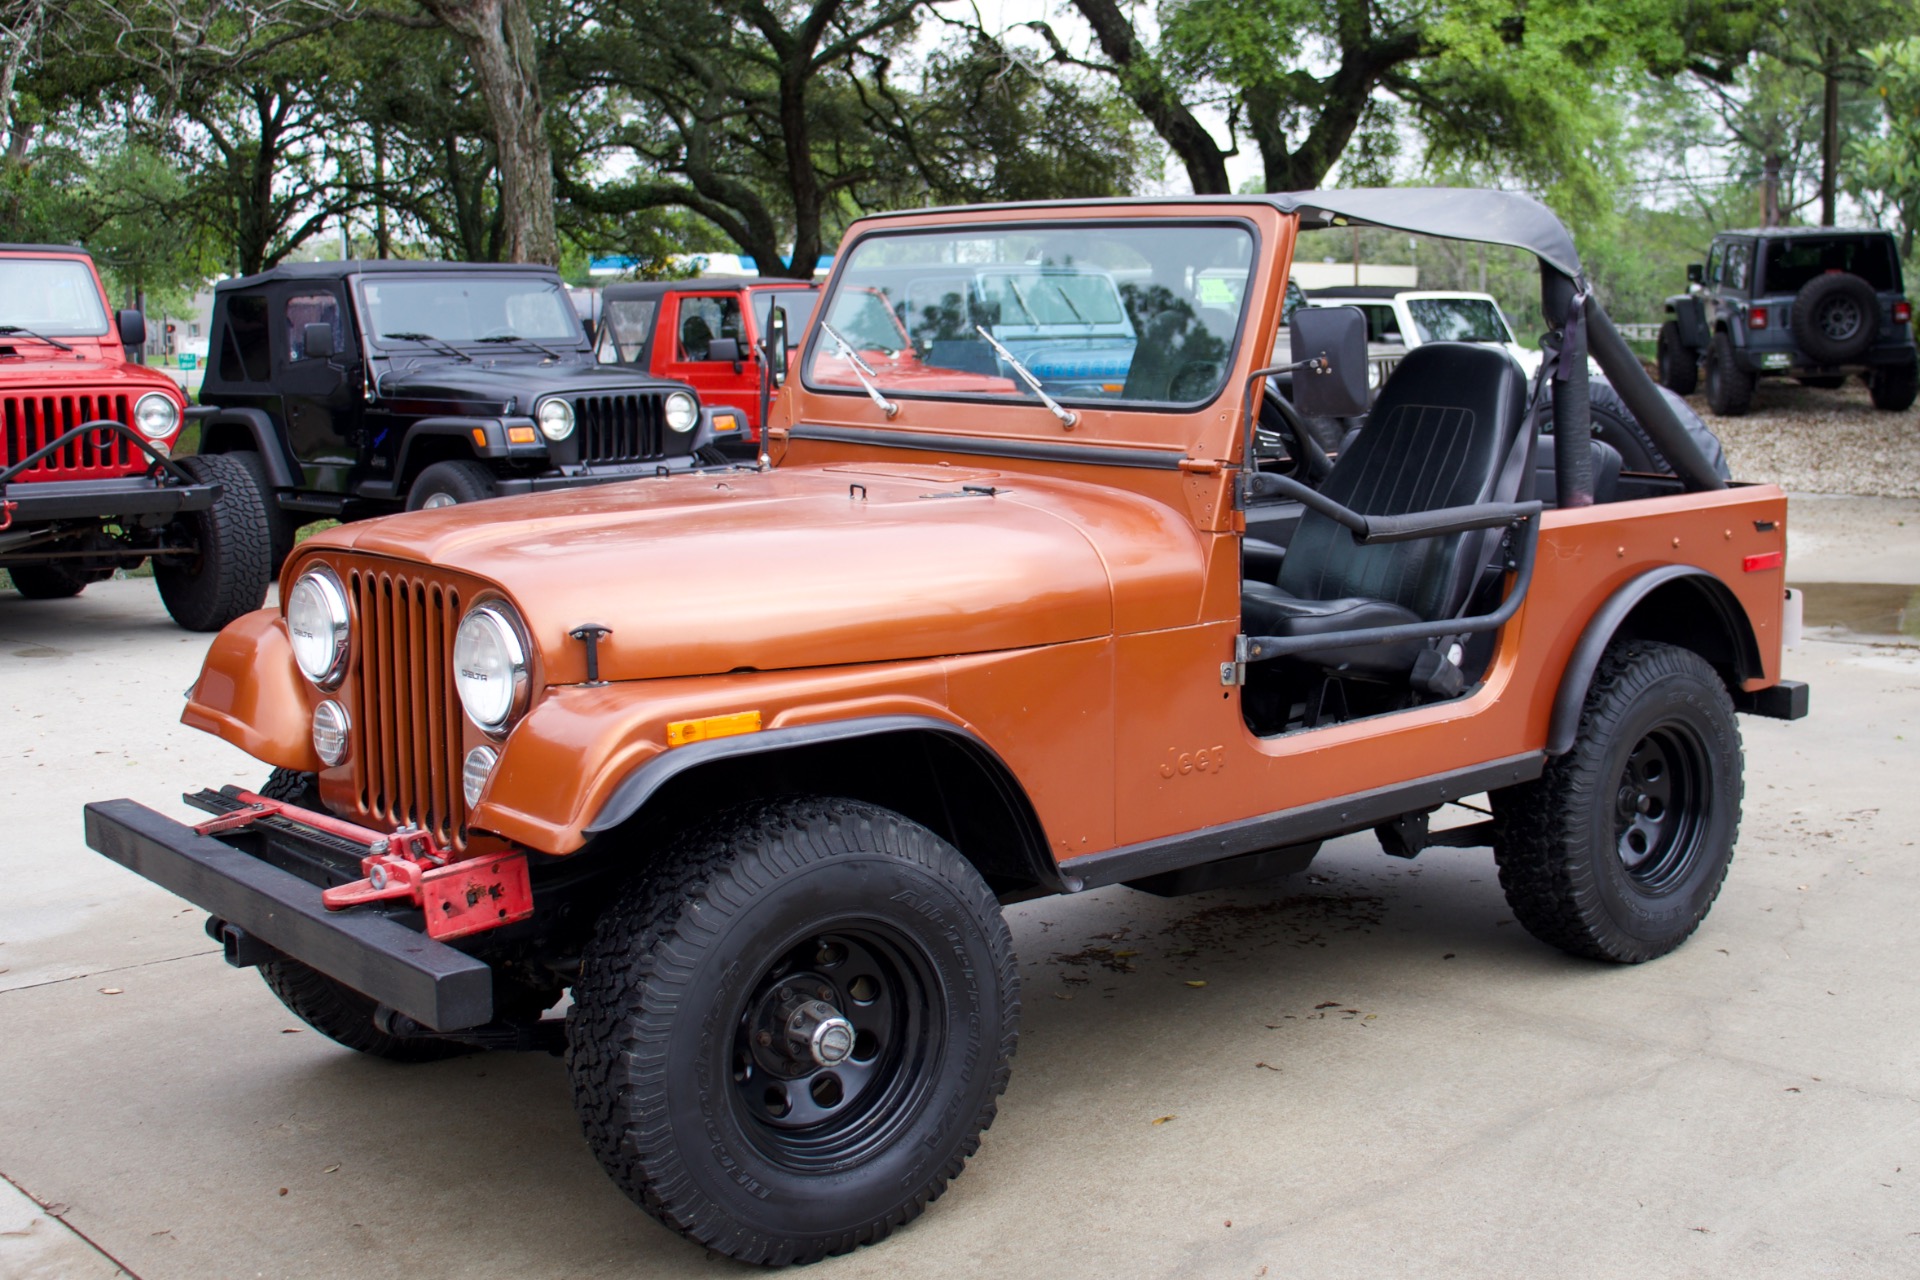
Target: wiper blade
column 861, row 370
column 1068, row 417
column 444, row 347
column 22, row 331
column 525, row 342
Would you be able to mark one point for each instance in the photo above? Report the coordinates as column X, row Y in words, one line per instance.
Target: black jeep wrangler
column 1813, row 303
column 360, row 388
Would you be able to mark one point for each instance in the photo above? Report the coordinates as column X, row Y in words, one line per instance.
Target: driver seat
column 1444, row 432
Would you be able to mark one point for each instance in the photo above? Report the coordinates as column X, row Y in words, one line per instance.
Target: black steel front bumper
column 438, row 986
column 50, row 501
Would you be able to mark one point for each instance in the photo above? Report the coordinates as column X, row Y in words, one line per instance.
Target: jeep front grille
column 621, row 428
column 34, row 421
column 406, row 748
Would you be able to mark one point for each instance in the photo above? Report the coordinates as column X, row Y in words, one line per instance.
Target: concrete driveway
column 1381, row 1075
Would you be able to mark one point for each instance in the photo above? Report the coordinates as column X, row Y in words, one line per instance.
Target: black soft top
column 640, row 289
column 67, row 249
column 383, row 266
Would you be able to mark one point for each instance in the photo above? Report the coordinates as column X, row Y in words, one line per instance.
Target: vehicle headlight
column 156, row 415
column 490, row 666
column 317, row 622
column 555, row 417
column 330, row 730
column 475, row 772
column 683, row 411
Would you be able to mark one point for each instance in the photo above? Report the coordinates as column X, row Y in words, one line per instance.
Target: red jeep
column 703, row 333
column 87, row 483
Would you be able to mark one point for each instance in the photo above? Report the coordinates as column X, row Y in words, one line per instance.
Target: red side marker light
column 1764, row 560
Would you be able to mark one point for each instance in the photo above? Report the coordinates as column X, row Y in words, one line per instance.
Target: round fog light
column 476, row 771
column 330, row 729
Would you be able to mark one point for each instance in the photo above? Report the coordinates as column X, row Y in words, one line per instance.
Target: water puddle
column 1865, row 608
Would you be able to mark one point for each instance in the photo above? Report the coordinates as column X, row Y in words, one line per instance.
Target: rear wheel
column 1729, row 387
column 787, row 1038
column 1892, row 386
column 228, row 569
column 1618, row 850
column 51, row 581
column 447, row 484
column 1679, row 363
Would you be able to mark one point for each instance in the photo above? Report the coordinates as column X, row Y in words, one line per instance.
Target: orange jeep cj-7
column 747, row 761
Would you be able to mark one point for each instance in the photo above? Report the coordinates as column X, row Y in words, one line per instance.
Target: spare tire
column 1835, row 317
column 1615, row 424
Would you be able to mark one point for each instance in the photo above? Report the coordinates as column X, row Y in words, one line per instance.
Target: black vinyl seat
column 1445, row 432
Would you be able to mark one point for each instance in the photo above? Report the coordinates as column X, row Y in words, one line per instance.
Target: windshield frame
column 363, row 313
column 810, row 349
column 85, row 268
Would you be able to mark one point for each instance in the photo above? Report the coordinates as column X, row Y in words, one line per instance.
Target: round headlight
column 683, row 411
column 475, row 772
column 490, row 666
column 317, row 625
column 555, row 417
column 330, row 730
column 156, row 415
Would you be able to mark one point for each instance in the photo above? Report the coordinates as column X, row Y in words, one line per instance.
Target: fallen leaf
column 1163, row 1119
column 1370, row 1017
column 1793, row 1088
column 1062, row 995
column 1125, row 955
column 1702, row 1230
column 332, row 1168
column 1447, row 956
column 289, row 1031
column 1196, row 982
column 164, row 1231
column 112, row 991
column 1268, row 1066
column 56, row 1210
column 1229, row 1221
column 283, row 1191
column 1328, row 1004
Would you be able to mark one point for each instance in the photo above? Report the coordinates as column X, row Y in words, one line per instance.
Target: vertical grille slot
column 407, row 724
column 622, row 428
column 30, row 422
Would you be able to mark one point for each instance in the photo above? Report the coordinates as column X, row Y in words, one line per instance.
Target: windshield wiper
column 23, row 331
column 525, row 342
column 444, row 347
column 861, row 370
column 1068, row 417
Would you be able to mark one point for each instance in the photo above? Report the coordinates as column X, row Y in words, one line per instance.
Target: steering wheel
column 1306, row 450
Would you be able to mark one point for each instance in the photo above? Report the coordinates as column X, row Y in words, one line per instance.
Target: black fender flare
column 1690, row 316
column 462, row 427
column 1740, row 644
column 282, row 471
column 646, row 781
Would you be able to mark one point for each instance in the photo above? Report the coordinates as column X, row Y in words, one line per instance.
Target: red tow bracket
column 457, row 897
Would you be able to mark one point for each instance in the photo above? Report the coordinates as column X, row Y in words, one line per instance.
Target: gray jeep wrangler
column 1812, row 303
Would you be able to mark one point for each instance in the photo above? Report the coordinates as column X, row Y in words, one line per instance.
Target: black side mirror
column 776, row 345
column 1335, row 339
column 1696, row 273
column 727, row 349
column 133, row 329
column 316, row 341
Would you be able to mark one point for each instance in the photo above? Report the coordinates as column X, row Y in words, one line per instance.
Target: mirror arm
column 1248, row 465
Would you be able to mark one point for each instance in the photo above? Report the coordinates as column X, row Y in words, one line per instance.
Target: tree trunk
column 1770, row 192
column 1141, row 80
column 500, row 44
column 1829, row 149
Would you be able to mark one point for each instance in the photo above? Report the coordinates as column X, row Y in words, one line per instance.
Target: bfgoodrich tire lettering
column 1618, row 850
column 665, row 1032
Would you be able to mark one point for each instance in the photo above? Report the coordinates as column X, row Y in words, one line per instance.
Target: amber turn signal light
column 682, row 732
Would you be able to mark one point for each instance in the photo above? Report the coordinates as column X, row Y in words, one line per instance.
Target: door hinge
column 1235, row 672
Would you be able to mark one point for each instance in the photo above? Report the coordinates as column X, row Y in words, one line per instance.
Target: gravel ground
column 1810, row 441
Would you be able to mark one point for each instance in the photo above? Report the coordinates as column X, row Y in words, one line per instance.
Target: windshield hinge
column 1201, row 466
column 1235, row 672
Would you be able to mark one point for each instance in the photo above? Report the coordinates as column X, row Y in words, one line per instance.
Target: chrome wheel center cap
column 818, row 1027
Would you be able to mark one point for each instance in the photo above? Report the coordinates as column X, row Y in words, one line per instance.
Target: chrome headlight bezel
column 494, row 621
column 165, row 415
column 476, row 770
column 322, row 584
column 557, row 425
column 681, row 412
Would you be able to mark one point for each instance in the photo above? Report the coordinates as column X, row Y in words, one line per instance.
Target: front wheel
column 1618, row 850
column 1729, row 387
column 50, row 581
column 448, row 484
column 787, row 1038
column 1679, row 363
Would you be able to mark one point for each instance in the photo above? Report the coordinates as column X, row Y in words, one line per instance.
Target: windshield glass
column 1792, row 261
column 1111, row 312
column 1458, row 320
column 797, row 303
column 55, row 297
column 466, row 309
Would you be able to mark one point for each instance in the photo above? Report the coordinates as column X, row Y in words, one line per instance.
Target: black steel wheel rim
column 1840, row 319
column 815, row 1116
column 1661, row 806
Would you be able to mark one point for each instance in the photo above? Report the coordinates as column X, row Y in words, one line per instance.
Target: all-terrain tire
column 1892, row 386
column 51, row 581
column 1679, row 363
column 446, row 484
column 282, row 525
column 1729, row 387
column 293, row 786
column 1835, row 317
column 229, row 572
column 345, row 1016
column 1618, row 850
column 691, row 1110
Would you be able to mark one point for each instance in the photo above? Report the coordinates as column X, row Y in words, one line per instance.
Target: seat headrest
column 1470, row 375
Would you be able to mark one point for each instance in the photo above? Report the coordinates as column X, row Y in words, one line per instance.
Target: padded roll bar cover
column 1572, row 419
column 1629, row 378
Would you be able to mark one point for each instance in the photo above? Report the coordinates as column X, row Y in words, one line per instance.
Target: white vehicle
column 1399, row 320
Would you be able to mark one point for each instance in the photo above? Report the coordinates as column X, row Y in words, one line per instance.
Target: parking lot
column 1363, row 1071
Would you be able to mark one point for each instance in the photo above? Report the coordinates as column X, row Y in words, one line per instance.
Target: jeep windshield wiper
column 443, row 347
column 1067, row 416
column 14, row 330
column 525, row 342
column 861, row 370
